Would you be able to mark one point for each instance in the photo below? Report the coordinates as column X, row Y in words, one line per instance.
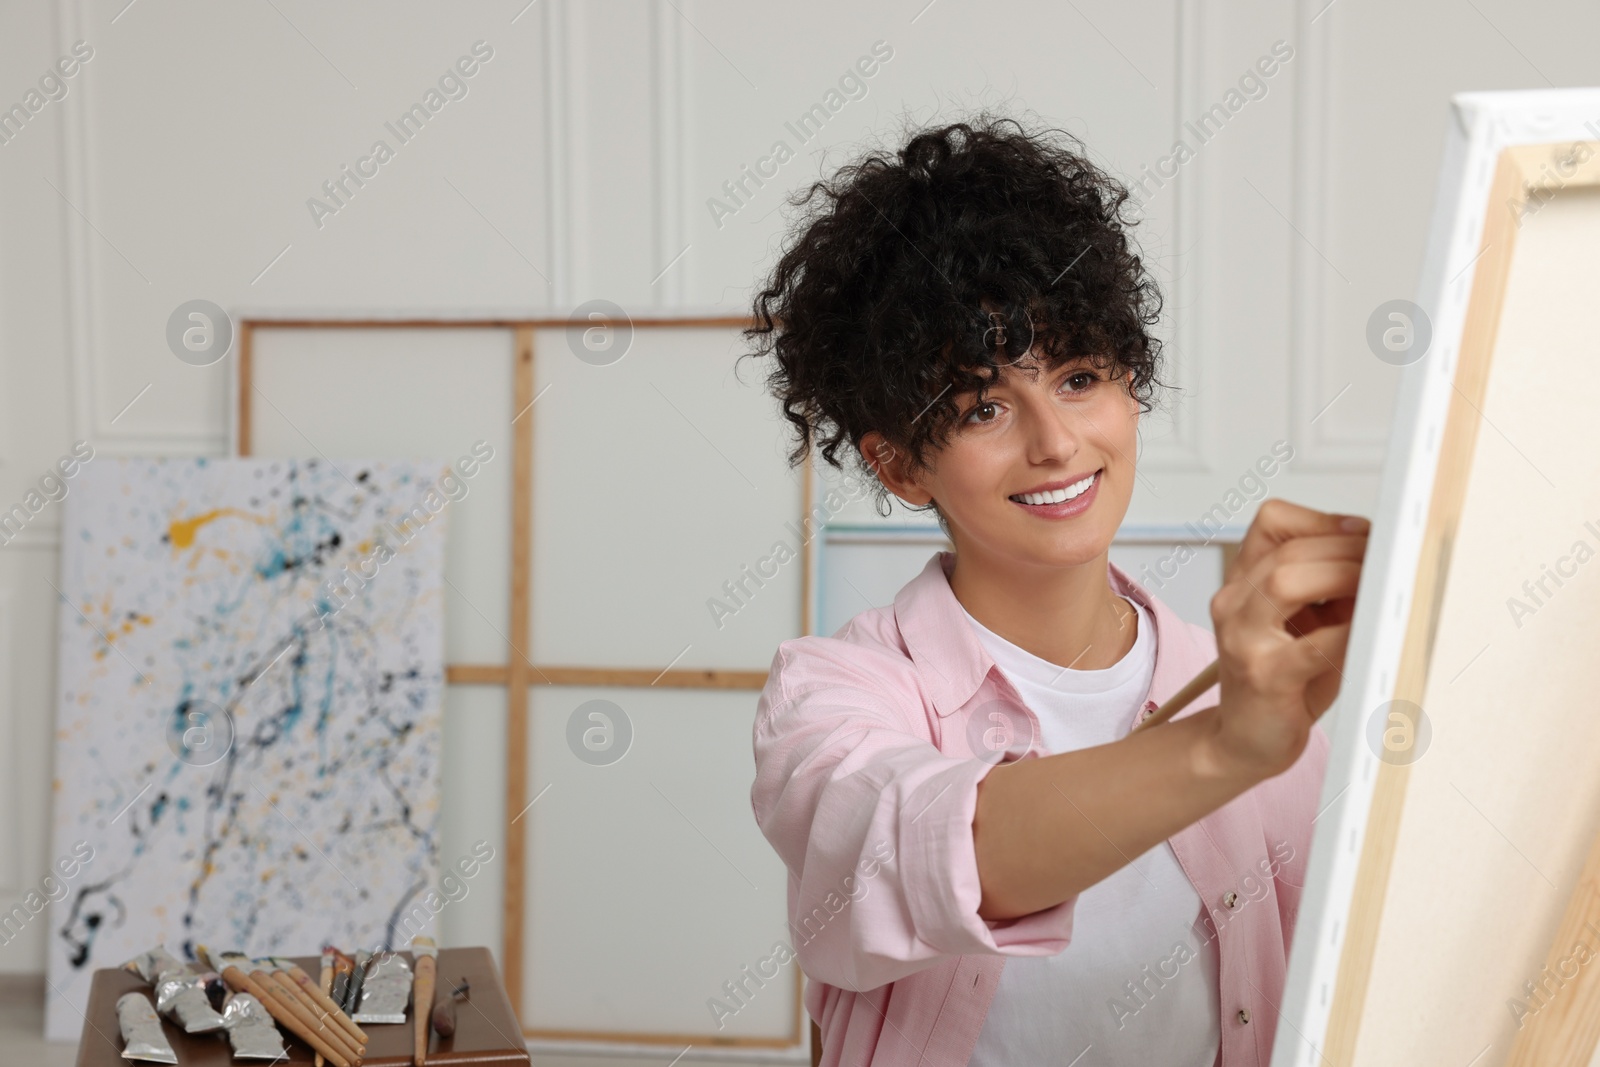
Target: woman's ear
column 889, row 463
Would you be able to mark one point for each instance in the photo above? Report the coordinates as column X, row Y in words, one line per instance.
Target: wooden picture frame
column 518, row 672
column 1432, row 888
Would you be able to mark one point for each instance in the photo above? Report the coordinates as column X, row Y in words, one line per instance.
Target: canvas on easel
column 1454, row 857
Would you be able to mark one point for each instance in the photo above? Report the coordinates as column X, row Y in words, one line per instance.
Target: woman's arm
column 873, row 822
column 1046, row 829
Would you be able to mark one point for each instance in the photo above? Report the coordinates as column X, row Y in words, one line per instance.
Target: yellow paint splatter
column 182, row 531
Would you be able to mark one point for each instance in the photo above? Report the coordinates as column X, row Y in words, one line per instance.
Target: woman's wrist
column 1210, row 760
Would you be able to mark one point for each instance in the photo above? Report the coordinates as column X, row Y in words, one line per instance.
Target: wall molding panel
column 1321, row 443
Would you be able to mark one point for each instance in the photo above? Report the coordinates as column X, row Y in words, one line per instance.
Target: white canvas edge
column 1481, row 125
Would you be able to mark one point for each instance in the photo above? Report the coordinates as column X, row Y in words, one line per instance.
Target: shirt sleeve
column 874, row 824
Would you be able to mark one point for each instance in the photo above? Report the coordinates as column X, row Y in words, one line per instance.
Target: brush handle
column 1181, row 699
column 327, row 1004
column 358, row 978
column 239, row 981
column 325, row 984
column 311, row 1012
column 312, row 1026
column 425, row 974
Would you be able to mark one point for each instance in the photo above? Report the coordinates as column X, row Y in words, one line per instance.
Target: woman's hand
column 1282, row 620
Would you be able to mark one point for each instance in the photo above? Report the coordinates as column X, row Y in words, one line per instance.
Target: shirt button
column 1230, row 899
column 1144, row 713
column 1244, row 1015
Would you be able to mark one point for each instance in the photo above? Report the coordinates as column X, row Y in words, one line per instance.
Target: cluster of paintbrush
column 296, row 1003
column 347, row 976
column 371, row 987
column 341, row 980
column 376, row 988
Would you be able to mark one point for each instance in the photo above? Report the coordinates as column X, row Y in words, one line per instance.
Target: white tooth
column 1058, row 495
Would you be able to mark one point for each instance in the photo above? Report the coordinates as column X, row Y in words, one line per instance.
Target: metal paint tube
column 251, row 1031
column 149, row 965
column 142, row 1038
column 181, row 997
column 385, row 990
column 181, row 990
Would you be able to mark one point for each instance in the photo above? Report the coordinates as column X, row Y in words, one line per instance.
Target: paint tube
column 181, row 997
column 385, row 990
column 251, row 1031
column 148, row 965
column 142, row 1038
column 181, row 991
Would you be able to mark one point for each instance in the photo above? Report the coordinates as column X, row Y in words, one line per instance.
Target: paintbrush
column 230, row 966
column 422, row 979
column 1208, row 677
column 325, row 982
column 343, row 969
column 298, row 985
column 1181, row 699
column 358, row 978
column 326, row 1004
column 315, row 996
column 444, row 1013
column 300, row 1005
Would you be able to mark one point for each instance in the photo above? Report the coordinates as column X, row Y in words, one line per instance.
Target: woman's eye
column 972, row 416
column 1088, row 378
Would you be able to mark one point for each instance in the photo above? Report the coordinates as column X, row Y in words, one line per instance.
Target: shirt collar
column 952, row 662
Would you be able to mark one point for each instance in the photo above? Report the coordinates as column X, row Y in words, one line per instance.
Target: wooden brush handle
column 238, row 981
column 1182, row 698
column 325, row 984
column 327, row 1004
column 422, row 1006
column 329, row 1030
column 313, row 1026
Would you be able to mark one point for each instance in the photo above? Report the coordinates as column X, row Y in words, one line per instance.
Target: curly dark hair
column 914, row 277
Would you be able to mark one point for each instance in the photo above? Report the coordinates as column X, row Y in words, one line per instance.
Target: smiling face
column 1037, row 472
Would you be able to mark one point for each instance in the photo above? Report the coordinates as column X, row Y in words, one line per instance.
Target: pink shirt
column 866, row 785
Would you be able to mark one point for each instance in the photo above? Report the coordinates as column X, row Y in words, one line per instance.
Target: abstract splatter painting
column 251, row 662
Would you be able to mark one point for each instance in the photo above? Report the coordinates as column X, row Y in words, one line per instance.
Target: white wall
column 579, row 165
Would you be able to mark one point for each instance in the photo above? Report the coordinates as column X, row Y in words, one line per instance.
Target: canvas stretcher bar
column 518, row 671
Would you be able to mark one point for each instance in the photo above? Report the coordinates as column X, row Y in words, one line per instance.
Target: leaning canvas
column 248, row 724
column 1451, row 912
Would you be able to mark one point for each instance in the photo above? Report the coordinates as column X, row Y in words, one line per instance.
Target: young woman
column 985, row 867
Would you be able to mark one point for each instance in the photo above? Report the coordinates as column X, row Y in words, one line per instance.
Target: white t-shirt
column 1123, row 991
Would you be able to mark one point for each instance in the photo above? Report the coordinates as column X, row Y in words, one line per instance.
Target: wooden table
column 487, row 1032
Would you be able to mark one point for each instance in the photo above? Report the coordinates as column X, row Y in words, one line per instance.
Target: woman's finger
column 1277, row 522
column 1325, row 648
column 1281, row 590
